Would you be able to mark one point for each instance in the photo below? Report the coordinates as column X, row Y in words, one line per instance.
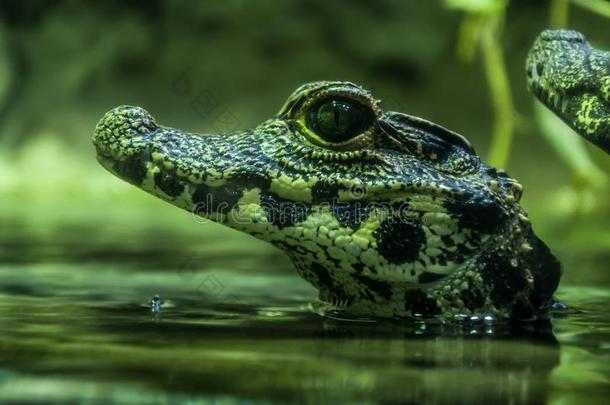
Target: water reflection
column 249, row 349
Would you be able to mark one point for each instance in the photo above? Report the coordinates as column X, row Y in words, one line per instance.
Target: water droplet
column 155, row 304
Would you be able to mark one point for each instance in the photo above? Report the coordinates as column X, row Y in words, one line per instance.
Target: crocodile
column 388, row 215
column 572, row 79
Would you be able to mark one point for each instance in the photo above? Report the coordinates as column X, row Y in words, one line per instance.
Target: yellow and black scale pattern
column 573, row 80
column 386, row 214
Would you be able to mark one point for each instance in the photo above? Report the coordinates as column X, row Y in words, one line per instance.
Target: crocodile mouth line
column 104, row 156
column 430, row 197
column 545, row 92
column 419, row 198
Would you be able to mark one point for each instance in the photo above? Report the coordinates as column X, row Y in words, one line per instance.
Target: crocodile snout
column 123, row 132
column 123, row 139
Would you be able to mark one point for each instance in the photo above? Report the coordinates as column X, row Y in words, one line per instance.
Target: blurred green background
column 81, row 251
column 221, row 66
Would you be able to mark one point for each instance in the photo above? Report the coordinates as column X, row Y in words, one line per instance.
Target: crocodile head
column 385, row 213
column 573, row 80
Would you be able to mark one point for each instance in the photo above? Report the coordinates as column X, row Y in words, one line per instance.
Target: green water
column 235, row 326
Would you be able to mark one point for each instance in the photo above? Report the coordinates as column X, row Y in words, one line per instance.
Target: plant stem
column 560, row 11
column 499, row 87
column 600, row 7
column 468, row 36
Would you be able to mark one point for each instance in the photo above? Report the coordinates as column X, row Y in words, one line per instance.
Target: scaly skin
column 386, row 214
column 573, row 80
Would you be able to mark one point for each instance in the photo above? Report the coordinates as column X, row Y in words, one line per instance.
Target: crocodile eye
column 339, row 119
